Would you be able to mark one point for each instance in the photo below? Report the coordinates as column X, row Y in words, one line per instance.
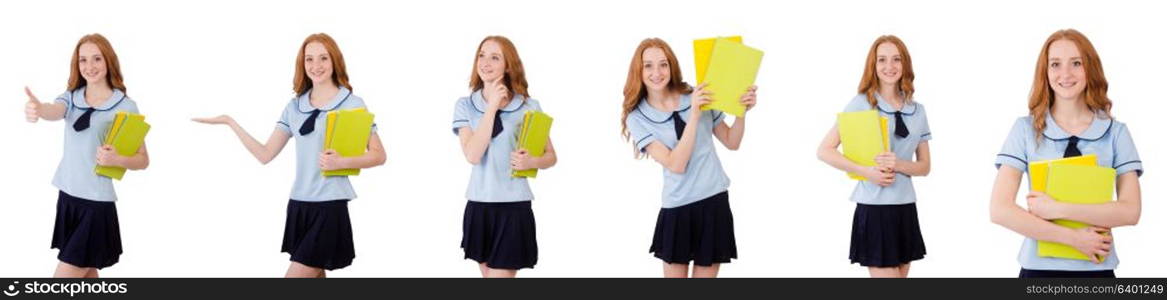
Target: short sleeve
column 285, row 122
column 1126, row 157
column 359, row 102
column 1013, row 151
column 925, row 130
column 859, row 103
column 461, row 114
column 718, row 116
column 130, row 107
column 66, row 99
column 641, row 137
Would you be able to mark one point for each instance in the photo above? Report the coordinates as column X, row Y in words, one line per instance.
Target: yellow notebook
column 862, row 139
column 1076, row 184
column 347, row 132
column 732, row 70
column 1039, row 171
column 535, row 131
column 126, row 135
column 703, row 50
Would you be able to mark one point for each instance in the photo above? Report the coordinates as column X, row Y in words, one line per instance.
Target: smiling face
column 317, row 63
column 1067, row 74
column 656, row 72
column 491, row 62
column 91, row 64
column 888, row 63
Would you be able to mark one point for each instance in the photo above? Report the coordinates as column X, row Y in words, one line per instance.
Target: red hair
column 301, row 83
column 113, row 70
column 634, row 89
column 514, row 78
column 869, row 84
column 1041, row 95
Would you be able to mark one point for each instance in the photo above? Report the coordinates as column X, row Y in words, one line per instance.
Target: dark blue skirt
column 319, row 234
column 886, row 235
column 700, row 232
column 86, row 232
column 1027, row 273
column 502, row 235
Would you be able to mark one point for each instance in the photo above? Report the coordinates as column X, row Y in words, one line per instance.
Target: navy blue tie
column 83, row 121
column 1072, row 148
column 678, row 125
column 497, row 128
column 309, row 124
column 901, row 127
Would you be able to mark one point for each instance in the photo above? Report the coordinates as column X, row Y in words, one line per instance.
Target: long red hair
column 514, row 77
column 869, row 84
column 1041, row 95
column 301, row 83
column 113, row 70
column 634, row 89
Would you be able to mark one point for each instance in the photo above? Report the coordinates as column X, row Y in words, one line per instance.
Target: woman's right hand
column 497, row 93
column 32, row 108
column 879, row 176
column 1093, row 242
column 221, row 119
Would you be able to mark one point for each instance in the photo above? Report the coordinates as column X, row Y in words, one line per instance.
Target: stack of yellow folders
column 533, row 135
column 729, row 67
column 347, row 132
column 126, row 135
column 864, row 136
column 1076, row 180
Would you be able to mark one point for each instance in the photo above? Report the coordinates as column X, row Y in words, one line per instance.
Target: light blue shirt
column 901, row 191
column 311, row 185
column 703, row 175
column 1107, row 138
column 490, row 179
column 75, row 174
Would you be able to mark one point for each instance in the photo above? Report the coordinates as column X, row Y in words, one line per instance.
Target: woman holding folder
column 498, row 226
column 86, row 231
column 318, row 231
column 662, row 118
column 1069, row 116
column 885, row 230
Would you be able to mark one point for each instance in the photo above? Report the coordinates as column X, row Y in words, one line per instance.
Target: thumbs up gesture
column 32, row 108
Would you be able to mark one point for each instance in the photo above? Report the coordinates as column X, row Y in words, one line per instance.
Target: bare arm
column 1004, row 211
column 35, row 110
column 1124, row 212
column 374, row 156
column 264, row 152
column 731, row 137
column 828, row 152
column 919, row 167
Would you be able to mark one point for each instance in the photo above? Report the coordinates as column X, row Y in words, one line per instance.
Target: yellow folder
column 347, row 132
column 1039, row 171
column 535, row 131
column 864, row 136
column 1076, row 184
column 126, row 135
column 703, row 50
column 732, row 70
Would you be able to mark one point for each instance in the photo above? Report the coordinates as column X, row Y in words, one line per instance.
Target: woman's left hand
column 108, row 157
column 521, row 160
column 1042, row 205
column 750, row 97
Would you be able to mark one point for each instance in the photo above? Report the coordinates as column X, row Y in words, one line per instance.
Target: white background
column 205, row 208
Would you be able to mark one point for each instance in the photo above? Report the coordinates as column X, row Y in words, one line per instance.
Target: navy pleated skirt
column 86, row 232
column 319, row 234
column 502, row 234
column 886, row 235
column 700, row 232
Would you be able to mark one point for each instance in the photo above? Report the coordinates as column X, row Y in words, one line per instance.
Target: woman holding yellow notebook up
column 662, row 117
column 318, row 231
column 498, row 225
column 885, row 230
column 86, row 231
column 1069, row 119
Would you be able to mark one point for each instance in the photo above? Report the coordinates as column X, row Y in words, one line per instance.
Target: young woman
column 1069, row 115
column 318, row 232
column 885, row 232
column 498, row 227
column 86, row 230
column 662, row 117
